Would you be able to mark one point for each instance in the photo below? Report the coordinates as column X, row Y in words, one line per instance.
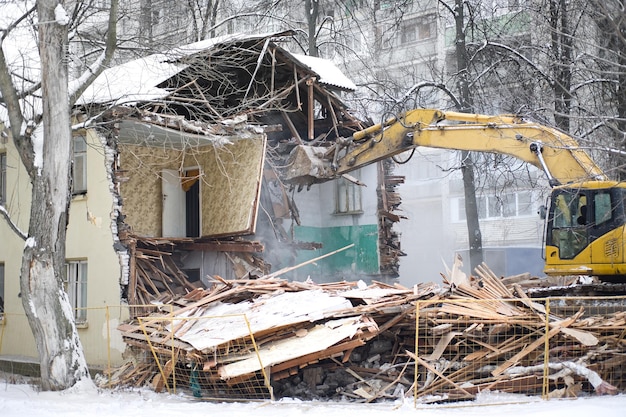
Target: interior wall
column 230, row 185
column 141, row 191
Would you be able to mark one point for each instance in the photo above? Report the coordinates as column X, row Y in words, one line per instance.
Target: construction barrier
column 554, row 348
column 217, row 378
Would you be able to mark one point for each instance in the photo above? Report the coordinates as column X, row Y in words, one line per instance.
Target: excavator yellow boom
column 554, row 152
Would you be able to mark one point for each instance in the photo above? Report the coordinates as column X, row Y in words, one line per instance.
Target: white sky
column 23, row 400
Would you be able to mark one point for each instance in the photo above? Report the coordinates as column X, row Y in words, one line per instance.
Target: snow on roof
column 328, row 72
column 137, row 80
column 132, row 81
column 200, row 46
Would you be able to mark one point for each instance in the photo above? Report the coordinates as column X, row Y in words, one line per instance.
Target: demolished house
column 199, row 135
column 207, row 236
column 212, row 236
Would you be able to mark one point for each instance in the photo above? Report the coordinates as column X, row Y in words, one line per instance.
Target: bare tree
column 467, row 164
column 45, row 150
column 611, row 77
column 204, row 17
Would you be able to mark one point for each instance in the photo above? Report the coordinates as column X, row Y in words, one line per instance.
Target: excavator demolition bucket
column 307, row 165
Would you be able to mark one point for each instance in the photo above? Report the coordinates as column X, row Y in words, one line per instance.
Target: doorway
column 181, row 203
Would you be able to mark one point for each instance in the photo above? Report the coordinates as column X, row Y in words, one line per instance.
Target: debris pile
column 348, row 340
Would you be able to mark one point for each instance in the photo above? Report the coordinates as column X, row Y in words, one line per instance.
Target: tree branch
column 10, row 97
column 103, row 61
column 419, row 86
column 12, row 225
column 507, row 48
column 16, row 22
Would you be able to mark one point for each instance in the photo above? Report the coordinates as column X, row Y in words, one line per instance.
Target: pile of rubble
column 348, row 340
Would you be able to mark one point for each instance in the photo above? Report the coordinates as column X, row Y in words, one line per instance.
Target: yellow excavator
column 586, row 217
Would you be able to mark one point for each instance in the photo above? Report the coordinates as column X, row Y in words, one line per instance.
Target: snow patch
column 37, row 140
column 328, row 72
column 84, row 386
column 60, row 15
column 20, row 400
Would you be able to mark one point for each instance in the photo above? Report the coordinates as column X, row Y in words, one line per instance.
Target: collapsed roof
column 230, row 79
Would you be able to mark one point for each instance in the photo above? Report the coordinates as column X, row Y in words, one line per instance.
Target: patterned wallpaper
column 230, row 186
column 229, row 190
column 141, row 193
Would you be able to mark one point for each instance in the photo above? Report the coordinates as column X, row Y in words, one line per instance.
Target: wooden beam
column 311, row 109
column 225, row 246
column 292, row 128
column 317, row 356
column 331, row 110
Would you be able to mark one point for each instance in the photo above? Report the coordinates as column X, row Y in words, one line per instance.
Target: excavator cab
column 585, row 230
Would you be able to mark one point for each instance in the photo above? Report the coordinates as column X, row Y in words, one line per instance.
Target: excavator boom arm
column 557, row 154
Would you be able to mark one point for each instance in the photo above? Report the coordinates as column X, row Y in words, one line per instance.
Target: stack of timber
column 348, row 340
column 155, row 275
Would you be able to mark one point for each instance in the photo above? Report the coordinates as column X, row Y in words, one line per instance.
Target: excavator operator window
column 603, row 210
column 570, row 217
column 608, row 211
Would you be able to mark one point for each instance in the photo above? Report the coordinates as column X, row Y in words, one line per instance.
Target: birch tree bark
column 43, row 141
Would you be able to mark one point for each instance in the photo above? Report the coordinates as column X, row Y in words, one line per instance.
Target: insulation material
column 230, row 186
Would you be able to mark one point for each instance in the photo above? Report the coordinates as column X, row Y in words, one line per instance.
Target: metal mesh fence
column 552, row 347
column 199, row 355
column 555, row 348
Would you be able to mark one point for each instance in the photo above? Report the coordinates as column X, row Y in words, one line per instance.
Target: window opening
column 79, row 174
column 76, row 288
column 3, row 178
column 1, row 291
column 191, row 186
column 347, row 197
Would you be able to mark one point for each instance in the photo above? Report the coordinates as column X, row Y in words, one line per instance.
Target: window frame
column 348, row 197
column 3, row 178
column 76, row 279
column 2, row 290
column 492, row 207
column 417, row 29
column 79, row 165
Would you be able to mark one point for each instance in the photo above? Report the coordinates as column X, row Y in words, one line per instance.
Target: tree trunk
column 561, row 43
column 475, row 240
column 612, row 27
column 45, row 302
column 312, row 10
column 619, row 42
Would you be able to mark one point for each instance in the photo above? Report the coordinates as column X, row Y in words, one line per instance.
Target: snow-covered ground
column 25, row 401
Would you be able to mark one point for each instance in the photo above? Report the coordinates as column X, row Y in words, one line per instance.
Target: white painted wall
column 317, row 205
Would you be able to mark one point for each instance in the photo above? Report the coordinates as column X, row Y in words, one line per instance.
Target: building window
column 76, row 288
column 1, row 291
column 79, row 178
column 501, row 7
column 417, row 29
column 347, row 197
column 494, row 207
column 3, row 178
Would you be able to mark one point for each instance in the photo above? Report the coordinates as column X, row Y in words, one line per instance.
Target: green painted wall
column 362, row 259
